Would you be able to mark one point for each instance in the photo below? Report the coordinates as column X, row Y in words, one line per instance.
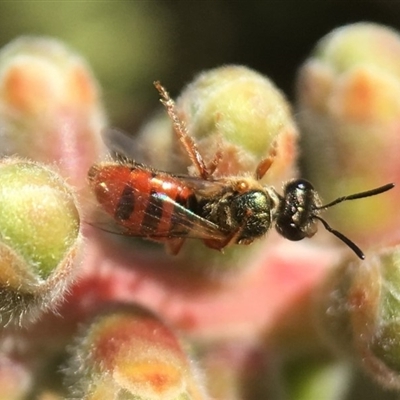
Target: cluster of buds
column 119, row 317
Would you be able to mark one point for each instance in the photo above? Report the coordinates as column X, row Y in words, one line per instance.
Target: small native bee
column 160, row 206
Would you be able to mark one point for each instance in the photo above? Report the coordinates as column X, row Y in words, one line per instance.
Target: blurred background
column 129, row 44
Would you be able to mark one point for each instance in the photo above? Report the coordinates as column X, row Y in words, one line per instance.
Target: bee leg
column 173, row 246
column 213, row 165
column 266, row 163
column 181, row 131
column 215, row 244
column 231, row 238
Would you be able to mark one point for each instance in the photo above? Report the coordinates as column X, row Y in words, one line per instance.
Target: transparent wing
column 157, row 223
column 185, row 223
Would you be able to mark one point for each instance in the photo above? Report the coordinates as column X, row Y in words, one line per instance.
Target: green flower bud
column 237, row 112
column 357, row 312
column 243, row 113
column 39, row 238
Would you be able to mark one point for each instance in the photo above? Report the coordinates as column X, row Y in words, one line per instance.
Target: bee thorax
column 247, row 214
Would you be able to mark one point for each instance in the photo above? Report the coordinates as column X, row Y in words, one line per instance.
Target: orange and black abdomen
column 135, row 197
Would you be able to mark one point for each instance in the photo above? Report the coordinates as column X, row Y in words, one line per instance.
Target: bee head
column 299, row 208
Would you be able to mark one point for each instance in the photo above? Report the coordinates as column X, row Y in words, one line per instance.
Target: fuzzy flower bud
column 49, row 106
column 238, row 112
column 357, row 312
column 131, row 353
column 349, row 108
column 39, row 238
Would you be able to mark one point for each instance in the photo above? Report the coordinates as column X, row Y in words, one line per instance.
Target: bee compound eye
column 289, row 230
column 298, row 186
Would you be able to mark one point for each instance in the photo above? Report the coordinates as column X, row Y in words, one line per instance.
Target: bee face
column 295, row 217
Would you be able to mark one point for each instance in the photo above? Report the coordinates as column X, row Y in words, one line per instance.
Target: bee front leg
column 231, row 238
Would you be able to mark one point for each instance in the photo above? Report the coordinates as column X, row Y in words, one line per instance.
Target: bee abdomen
column 126, row 204
column 143, row 205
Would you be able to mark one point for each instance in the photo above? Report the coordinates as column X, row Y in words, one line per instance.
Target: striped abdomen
column 135, row 197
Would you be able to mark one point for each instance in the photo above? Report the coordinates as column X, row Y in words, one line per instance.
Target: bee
column 221, row 211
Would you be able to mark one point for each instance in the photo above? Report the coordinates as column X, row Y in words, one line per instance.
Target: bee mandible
column 221, row 211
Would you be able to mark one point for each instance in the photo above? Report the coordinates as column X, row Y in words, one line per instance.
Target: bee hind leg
column 173, row 246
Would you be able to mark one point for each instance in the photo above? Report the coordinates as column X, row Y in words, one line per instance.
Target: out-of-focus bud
column 237, row 369
column 349, row 109
column 237, row 112
column 316, row 377
column 49, row 106
column 357, row 312
column 129, row 352
column 39, row 238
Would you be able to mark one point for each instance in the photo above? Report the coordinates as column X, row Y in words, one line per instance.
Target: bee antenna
column 343, row 238
column 360, row 195
column 354, row 196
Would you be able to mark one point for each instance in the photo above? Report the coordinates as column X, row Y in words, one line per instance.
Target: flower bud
column 39, row 238
column 49, row 106
column 349, row 108
column 237, row 112
column 131, row 353
column 357, row 312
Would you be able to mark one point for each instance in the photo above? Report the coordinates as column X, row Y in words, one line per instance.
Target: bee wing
column 180, row 223
column 122, row 145
column 204, row 187
column 185, row 223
